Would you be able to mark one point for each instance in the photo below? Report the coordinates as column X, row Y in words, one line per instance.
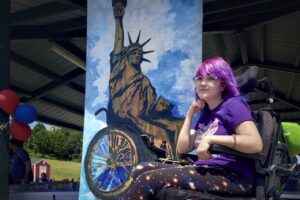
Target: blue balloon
column 25, row 114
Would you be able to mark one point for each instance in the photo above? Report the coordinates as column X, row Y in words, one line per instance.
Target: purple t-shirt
column 222, row 121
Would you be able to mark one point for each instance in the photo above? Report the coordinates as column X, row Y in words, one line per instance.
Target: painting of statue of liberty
column 140, row 99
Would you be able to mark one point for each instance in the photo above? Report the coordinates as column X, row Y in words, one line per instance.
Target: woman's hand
column 186, row 139
column 196, row 106
column 202, row 150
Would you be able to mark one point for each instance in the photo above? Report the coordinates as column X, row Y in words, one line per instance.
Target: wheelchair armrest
column 217, row 149
column 188, row 158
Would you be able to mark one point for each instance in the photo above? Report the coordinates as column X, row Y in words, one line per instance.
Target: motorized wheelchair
column 273, row 166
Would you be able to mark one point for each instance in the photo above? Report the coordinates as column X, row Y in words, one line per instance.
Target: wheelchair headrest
column 247, row 81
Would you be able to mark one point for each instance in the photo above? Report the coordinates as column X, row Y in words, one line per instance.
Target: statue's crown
column 136, row 44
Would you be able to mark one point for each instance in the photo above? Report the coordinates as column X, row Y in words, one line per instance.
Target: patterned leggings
column 150, row 177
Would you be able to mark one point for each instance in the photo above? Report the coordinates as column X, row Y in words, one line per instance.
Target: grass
column 64, row 170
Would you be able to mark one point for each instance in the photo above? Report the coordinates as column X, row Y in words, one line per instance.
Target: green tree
column 38, row 134
column 59, row 143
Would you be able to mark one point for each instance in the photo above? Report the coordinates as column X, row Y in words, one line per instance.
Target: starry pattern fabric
column 150, row 177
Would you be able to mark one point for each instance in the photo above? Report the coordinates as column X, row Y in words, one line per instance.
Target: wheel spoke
column 123, row 146
column 111, row 143
column 102, row 179
column 105, row 145
column 120, row 175
column 125, row 165
column 125, row 155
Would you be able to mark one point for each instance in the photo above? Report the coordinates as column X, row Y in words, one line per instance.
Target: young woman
column 225, row 119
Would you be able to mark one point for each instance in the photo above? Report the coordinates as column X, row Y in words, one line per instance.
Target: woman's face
column 209, row 87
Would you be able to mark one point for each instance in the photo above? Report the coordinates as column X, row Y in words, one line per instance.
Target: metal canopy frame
column 64, row 23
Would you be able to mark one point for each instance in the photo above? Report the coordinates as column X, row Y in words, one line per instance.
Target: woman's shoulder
column 235, row 105
column 235, row 101
column 235, row 111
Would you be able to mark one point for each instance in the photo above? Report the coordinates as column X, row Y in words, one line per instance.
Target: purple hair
column 220, row 69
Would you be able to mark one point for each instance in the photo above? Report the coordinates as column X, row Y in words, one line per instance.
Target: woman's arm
column 186, row 137
column 246, row 140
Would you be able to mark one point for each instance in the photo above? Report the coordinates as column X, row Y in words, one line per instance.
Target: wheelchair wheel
column 109, row 162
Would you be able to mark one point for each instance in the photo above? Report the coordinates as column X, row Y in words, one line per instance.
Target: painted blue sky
column 175, row 27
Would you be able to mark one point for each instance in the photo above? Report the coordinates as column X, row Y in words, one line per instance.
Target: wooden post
column 4, row 83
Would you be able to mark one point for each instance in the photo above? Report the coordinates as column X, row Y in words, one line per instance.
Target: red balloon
column 9, row 101
column 20, row 131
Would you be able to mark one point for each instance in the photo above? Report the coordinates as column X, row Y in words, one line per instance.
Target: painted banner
column 141, row 58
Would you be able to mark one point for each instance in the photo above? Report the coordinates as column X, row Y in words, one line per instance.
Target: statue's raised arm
column 119, row 10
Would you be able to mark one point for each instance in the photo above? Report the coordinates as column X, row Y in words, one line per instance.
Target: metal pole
column 4, row 83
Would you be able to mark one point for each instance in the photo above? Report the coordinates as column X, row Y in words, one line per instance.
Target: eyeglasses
column 206, row 79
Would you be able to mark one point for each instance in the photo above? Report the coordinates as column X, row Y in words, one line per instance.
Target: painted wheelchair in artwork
column 112, row 155
column 133, row 110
